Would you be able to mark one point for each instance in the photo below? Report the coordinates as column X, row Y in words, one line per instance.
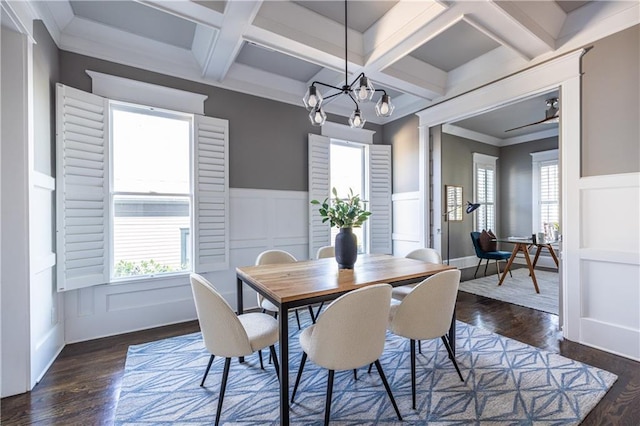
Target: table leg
column 533, row 275
column 239, row 304
column 508, row 267
column 284, row 365
column 535, row 259
column 553, row 254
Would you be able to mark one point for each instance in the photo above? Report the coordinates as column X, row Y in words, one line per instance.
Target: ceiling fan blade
column 546, row 120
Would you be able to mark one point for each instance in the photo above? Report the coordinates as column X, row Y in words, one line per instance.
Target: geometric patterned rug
column 519, row 289
column 506, row 382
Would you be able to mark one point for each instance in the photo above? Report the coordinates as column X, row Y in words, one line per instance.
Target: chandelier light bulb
column 312, row 98
column 317, row 116
column 356, row 120
column 364, row 90
column 384, row 107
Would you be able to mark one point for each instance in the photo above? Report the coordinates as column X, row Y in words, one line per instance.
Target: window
column 370, row 169
column 347, row 172
column 485, row 190
column 138, row 184
column 546, row 190
column 151, row 190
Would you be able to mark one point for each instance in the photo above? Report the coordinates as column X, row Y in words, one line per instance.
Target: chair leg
column 369, row 371
column 485, row 267
column 298, row 319
column 498, row 268
column 327, row 408
column 313, row 318
column 319, row 309
column 477, row 267
column 453, row 359
column 355, row 374
column 295, row 387
column 412, row 348
column 386, row 386
column 223, row 387
column 260, row 356
column 272, row 350
column 207, row 370
column 420, row 347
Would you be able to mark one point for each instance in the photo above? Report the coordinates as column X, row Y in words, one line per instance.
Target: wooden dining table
column 292, row 285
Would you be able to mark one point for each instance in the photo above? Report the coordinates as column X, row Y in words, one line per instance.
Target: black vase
column 346, row 246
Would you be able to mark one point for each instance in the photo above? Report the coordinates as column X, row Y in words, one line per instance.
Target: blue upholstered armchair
column 488, row 255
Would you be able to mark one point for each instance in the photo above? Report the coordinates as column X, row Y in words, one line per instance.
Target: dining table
column 522, row 244
column 308, row 282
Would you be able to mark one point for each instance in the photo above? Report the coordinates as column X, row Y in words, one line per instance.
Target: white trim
column 139, row 92
column 540, row 156
column 346, row 133
column 484, row 159
column 452, row 129
column 543, row 134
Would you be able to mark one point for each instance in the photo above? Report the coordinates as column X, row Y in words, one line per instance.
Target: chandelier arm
column 331, row 96
column 326, row 85
column 381, row 90
column 355, row 80
column 354, row 101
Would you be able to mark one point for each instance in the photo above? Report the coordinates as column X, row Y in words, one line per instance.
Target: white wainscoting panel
column 407, row 223
column 609, row 256
column 259, row 220
column 47, row 329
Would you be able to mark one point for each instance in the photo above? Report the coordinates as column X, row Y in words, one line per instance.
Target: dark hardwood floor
column 83, row 384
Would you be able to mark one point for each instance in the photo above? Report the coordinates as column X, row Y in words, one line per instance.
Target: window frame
column 538, row 160
column 158, row 112
column 487, row 162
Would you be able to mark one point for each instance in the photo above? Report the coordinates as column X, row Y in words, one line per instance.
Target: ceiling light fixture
column 363, row 91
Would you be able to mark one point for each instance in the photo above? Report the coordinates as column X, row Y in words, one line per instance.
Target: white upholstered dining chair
column 349, row 334
column 425, row 313
column 229, row 335
column 428, row 255
column 274, row 257
column 326, row 251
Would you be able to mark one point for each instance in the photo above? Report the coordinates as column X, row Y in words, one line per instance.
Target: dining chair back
column 326, row 251
column 349, row 334
column 274, row 257
column 228, row 335
column 425, row 254
column 426, row 313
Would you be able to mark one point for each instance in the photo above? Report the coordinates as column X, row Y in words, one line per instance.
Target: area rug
column 519, row 289
column 506, row 382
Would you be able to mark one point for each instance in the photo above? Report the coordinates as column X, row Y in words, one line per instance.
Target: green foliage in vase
column 346, row 212
column 126, row 268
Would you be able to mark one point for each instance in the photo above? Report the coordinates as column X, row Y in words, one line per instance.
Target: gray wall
column 457, row 169
column 45, row 75
column 402, row 134
column 611, row 105
column 267, row 139
column 515, row 186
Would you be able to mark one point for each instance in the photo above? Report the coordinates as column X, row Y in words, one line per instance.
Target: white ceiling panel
column 138, row 19
column 455, row 46
column 275, row 62
column 362, row 14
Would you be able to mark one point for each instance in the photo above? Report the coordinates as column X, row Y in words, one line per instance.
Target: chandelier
column 361, row 92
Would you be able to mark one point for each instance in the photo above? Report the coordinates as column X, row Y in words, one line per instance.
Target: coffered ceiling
column 421, row 51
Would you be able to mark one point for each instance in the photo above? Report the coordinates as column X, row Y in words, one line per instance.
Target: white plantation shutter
column 549, row 193
column 81, row 189
column 211, row 192
column 378, row 184
column 319, row 181
column 485, row 190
